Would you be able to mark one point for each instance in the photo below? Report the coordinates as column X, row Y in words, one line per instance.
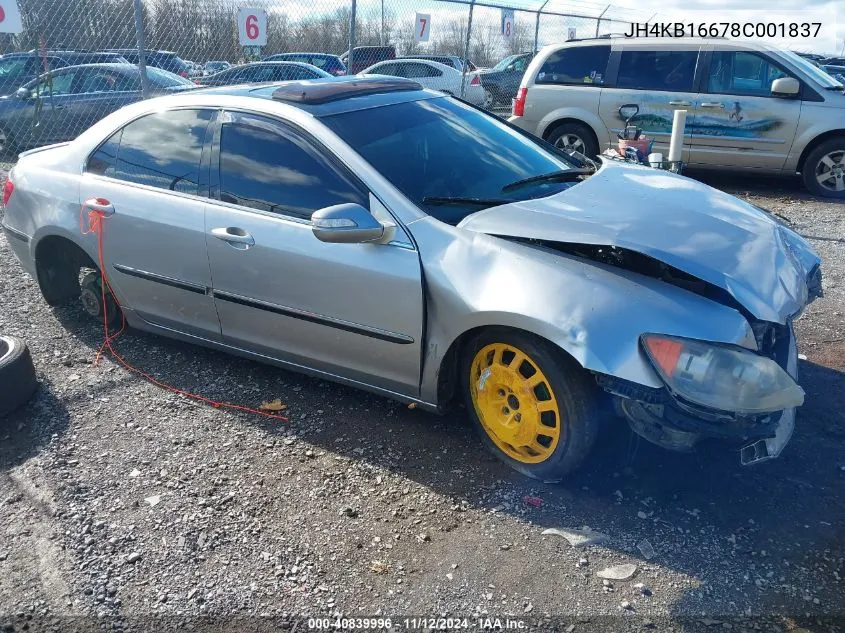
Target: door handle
column 101, row 205
column 713, row 104
column 679, row 103
column 234, row 235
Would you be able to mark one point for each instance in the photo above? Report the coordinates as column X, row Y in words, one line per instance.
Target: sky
column 831, row 13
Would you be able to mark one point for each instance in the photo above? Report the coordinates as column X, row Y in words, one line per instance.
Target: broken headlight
column 721, row 376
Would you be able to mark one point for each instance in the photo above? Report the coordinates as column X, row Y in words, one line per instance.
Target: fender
column 592, row 312
column 806, row 139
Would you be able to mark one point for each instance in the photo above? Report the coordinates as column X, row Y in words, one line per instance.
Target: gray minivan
column 750, row 106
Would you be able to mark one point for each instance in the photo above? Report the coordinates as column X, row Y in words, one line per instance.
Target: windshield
column 166, row 79
column 442, row 148
column 820, row 76
column 504, row 63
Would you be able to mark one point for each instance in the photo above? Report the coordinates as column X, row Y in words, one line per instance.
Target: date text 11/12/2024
column 416, row 624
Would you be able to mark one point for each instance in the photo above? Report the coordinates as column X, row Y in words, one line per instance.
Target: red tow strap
column 97, row 226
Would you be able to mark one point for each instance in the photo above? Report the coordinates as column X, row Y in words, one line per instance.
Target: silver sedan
column 395, row 239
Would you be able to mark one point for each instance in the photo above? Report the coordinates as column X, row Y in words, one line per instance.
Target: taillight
column 183, row 73
column 519, row 102
column 8, row 190
column 476, row 81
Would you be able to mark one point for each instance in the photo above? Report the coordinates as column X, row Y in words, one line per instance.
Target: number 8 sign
column 507, row 23
column 252, row 27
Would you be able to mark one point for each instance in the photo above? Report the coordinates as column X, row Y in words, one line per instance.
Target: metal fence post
column 598, row 19
column 537, row 25
column 466, row 49
column 142, row 49
column 352, row 20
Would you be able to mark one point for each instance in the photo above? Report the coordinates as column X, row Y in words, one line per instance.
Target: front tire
column 824, row 170
column 574, row 136
column 532, row 405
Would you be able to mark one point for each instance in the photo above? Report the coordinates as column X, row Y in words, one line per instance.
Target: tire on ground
column 812, row 165
column 570, row 387
column 17, row 374
column 578, row 130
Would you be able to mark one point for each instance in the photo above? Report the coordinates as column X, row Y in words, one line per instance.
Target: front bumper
column 657, row 416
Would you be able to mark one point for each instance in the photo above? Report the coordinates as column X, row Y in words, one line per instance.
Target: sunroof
column 319, row 91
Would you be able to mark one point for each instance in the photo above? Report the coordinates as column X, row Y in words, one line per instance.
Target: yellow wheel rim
column 515, row 403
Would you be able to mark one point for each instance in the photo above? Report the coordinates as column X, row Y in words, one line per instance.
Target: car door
column 739, row 122
column 155, row 252
column 658, row 81
column 52, row 110
column 352, row 310
column 98, row 91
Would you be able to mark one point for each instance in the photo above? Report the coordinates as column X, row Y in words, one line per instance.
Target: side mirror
column 786, row 86
column 23, row 93
column 346, row 223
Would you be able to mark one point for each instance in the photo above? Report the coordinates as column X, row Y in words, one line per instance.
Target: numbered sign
column 252, row 27
column 507, row 23
column 422, row 27
column 10, row 17
column 571, row 35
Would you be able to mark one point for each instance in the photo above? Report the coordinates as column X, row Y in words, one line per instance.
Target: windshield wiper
column 561, row 176
column 481, row 202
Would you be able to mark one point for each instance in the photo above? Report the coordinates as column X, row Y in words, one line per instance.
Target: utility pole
column 142, row 49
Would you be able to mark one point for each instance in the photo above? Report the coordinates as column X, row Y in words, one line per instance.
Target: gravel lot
column 120, row 501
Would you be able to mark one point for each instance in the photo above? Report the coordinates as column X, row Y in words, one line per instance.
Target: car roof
column 125, row 67
column 673, row 43
column 303, row 53
column 411, row 60
column 323, row 97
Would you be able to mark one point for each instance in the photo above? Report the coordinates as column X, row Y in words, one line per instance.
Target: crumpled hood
column 683, row 223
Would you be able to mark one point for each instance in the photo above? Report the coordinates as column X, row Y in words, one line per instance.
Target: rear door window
column 266, row 166
column 666, row 70
column 582, row 65
column 161, row 150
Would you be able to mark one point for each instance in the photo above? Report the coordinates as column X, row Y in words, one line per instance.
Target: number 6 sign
column 252, row 27
column 10, row 17
column 422, row 27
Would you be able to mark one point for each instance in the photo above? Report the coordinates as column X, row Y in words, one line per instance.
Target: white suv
column 750, row 106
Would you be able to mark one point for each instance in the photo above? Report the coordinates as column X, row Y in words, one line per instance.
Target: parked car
column 366, row 56
column 837, row 72
column 166, row 60
column 16, row 69
column 257, row 72
column 449, row 60
column 502, row 81
column 194, row 69
column 215, row 67
column 440, row 255
column 61, row 104
column 327, row 63
column 751, row 106
column 432, row 75
column 833, row 61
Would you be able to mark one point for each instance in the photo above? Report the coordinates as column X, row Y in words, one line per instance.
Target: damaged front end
column 711, row 390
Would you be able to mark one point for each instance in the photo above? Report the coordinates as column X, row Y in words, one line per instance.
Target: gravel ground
column 121, row 502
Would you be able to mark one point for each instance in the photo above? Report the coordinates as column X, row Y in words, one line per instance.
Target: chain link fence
column 143, row 48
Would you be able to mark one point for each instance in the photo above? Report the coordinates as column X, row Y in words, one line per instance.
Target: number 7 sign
column 252, row 27
column 422, row 27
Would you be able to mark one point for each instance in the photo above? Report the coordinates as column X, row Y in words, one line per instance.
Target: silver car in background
column 395, row 239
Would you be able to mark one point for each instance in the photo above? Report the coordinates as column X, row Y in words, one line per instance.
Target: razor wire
column 205, row 35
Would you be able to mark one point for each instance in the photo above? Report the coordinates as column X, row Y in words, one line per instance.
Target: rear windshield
column 444, row 148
